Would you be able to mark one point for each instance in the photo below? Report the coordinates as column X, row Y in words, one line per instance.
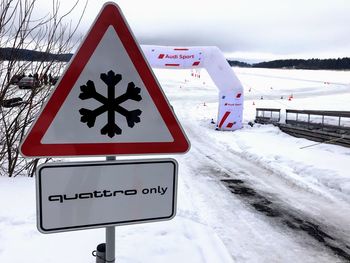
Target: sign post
column 108, row 102
column 110, row 233
column 85, row 195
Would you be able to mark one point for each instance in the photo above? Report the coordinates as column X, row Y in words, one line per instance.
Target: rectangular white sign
column 81, row 195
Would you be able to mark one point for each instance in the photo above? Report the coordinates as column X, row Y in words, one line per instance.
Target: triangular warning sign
column 107, row 102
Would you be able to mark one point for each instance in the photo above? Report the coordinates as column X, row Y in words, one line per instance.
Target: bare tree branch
column 50, row 34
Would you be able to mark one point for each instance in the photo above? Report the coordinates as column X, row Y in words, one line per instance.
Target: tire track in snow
column 286, row 217
column 272, row 206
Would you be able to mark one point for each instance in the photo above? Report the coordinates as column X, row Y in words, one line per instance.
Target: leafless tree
column 51, row 33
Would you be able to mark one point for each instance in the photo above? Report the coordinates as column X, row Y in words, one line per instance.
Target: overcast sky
column 242, row 29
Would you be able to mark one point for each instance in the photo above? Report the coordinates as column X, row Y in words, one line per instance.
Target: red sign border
column 110, row 15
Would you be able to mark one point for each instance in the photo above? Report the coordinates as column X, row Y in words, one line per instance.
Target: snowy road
column 271, row 216
column 246, row 231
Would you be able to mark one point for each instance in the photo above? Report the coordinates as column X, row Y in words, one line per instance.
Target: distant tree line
column 335, row 64
column 236, row 63
column 12, row 54
column 315, row 63
column 340, row 63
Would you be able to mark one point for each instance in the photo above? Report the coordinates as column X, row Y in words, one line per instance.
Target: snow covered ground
column 288, row 204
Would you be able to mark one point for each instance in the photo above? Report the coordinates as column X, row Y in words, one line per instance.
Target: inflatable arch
column 230, row 110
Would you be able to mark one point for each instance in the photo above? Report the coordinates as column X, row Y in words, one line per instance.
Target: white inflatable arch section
column 210, row 58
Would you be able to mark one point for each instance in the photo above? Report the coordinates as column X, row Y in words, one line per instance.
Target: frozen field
column 290, row 204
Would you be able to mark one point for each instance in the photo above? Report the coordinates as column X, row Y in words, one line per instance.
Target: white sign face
column 72, row 196
column 149, row 127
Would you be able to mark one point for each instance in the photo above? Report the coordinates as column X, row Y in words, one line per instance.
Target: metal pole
column 110, row 244
column 110, row 233
column 322, row 121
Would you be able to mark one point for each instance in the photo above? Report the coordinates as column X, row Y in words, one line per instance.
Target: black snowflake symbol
column 111, row 104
